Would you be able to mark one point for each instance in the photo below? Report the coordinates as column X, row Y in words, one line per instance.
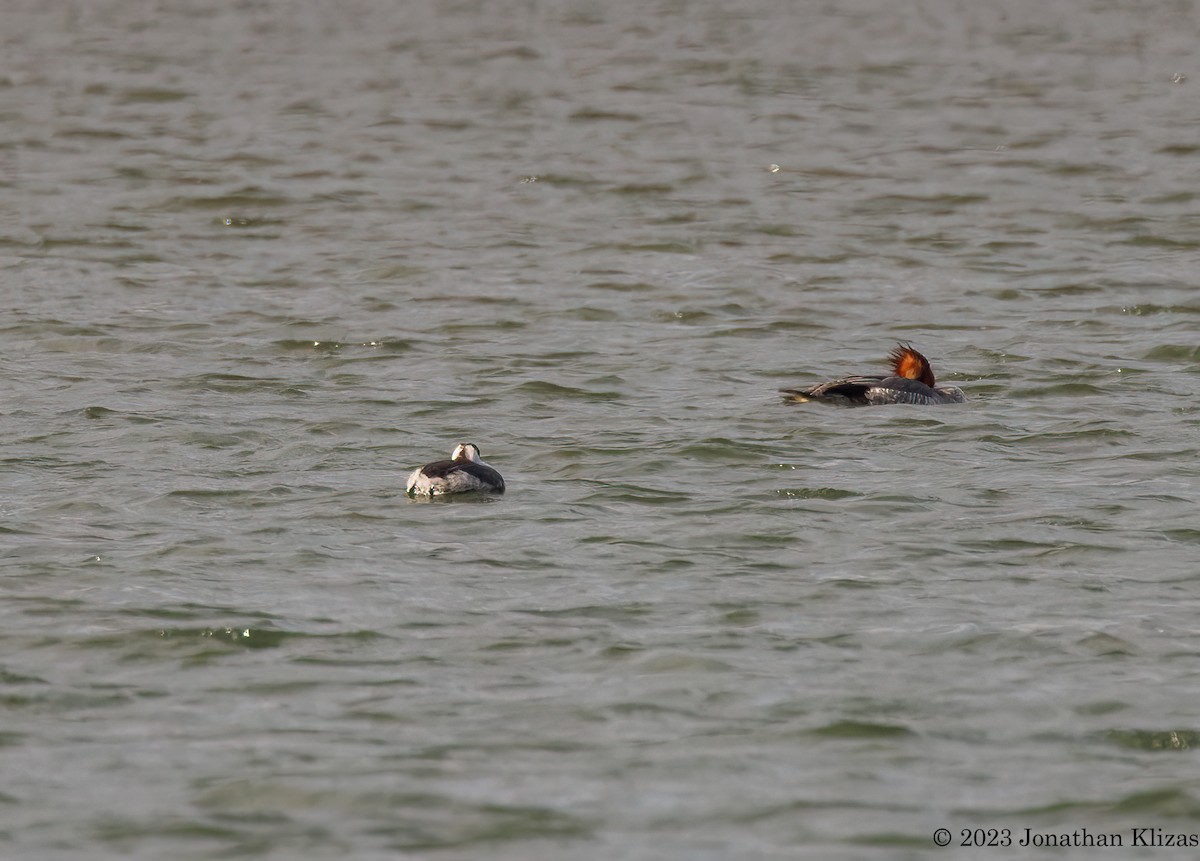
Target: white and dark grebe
column 911, row 382
column 464, row 471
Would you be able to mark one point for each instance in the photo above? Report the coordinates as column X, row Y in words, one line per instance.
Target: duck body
column 911, row 382
column 464, row 472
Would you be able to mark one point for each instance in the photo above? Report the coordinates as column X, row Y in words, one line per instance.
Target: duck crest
column 908, row 363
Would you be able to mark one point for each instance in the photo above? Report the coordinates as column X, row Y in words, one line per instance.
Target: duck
column 464, row 472
column 911, row 382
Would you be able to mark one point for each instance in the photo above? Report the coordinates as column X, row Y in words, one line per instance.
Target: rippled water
column 263, row 259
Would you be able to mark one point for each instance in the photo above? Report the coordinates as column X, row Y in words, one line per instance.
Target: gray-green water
column 262, row 259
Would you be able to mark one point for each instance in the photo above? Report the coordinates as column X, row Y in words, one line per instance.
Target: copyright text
column 1022, row 837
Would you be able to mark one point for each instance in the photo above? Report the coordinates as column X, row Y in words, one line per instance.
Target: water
column 261, row 260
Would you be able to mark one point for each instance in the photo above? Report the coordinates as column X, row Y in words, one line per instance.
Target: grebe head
column 908, row 363
column 466, row 451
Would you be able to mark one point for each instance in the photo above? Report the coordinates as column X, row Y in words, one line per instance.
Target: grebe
column 464, row 471
column 911, row 382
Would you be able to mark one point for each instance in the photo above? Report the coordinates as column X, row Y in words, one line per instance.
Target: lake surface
column 262, row 259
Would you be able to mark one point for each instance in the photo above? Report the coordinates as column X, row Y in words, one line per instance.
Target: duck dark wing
column 484, row 473
column 848, row 390
column 440, row 468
